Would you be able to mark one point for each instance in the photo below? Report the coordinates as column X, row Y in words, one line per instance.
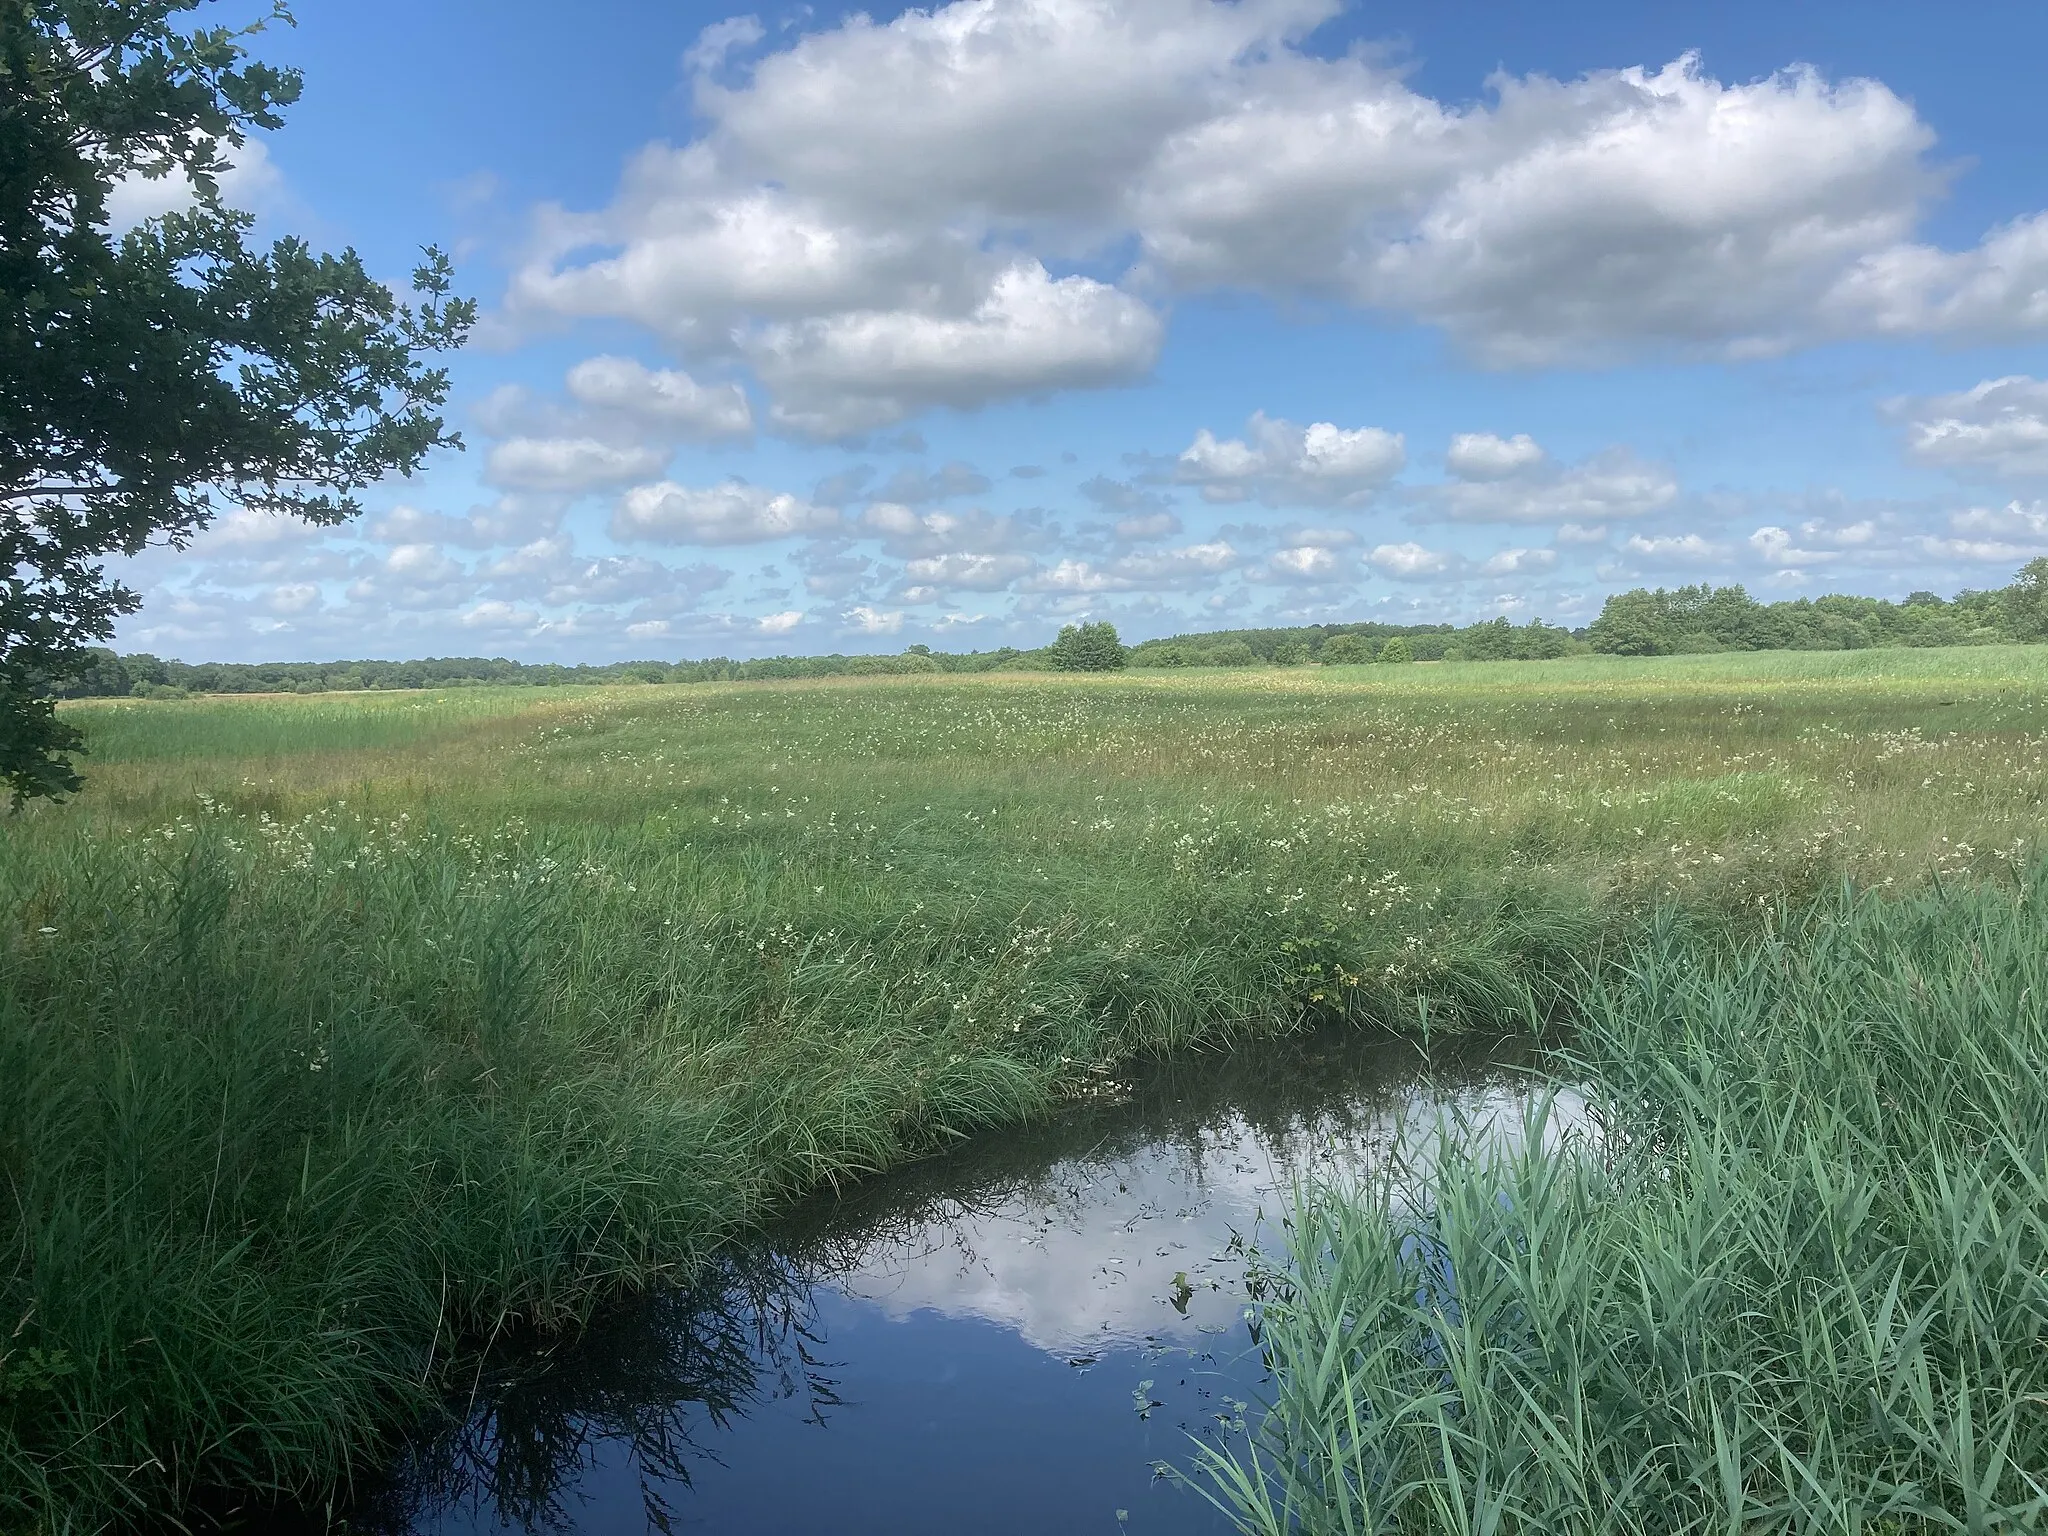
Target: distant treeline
column 1681, row 621
column 1349, row 644
column 111, row 676
column 1690, row 620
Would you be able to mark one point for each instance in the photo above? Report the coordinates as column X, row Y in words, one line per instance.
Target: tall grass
column 338, row 1035
column 1799, row 1282
column 294, row 1116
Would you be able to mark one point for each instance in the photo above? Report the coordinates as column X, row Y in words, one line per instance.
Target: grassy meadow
column 341, row 1033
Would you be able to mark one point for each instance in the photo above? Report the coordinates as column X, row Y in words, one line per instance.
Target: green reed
column 1792, row 1275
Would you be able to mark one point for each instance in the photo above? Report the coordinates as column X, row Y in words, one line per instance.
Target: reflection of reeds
column 340, row 1035
column 1796, row 1285
column 661, row 1378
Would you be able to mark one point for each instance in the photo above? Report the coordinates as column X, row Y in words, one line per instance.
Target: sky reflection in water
column 1003, row 1339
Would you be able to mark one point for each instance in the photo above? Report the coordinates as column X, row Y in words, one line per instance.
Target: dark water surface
column 1006, row 1338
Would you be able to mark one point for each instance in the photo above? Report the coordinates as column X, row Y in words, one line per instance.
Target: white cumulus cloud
column 731, row 513
column 1483, row 456
column 885, row 217
column 1512, row 480
column 1286, row 465
column 1674, row 549
column 569, row 465
column 1518, row 562
column 972, row 572
column 1310, row 564
column 666, row 398
column 1029, row 333
column 874, row 621
column 1999, row 428
column 1409, row 561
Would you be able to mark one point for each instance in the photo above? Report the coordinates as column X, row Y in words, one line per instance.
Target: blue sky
column 813, row 330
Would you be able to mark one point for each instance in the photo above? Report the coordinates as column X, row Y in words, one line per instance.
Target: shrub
column 1396, row 650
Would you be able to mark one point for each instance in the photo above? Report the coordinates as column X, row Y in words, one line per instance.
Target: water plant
column 1793, row 1283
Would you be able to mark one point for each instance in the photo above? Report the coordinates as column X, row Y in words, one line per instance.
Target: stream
column 1009, row 1337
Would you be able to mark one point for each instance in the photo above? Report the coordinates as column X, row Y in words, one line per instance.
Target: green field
column 340, row 1033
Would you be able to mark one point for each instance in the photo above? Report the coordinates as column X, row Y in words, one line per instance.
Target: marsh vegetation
column 1794, row 1283
column 340, row 1035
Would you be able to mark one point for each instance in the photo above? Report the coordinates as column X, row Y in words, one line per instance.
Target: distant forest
column 1679, row 621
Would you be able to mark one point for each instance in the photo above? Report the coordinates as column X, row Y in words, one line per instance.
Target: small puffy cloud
column 420, row 563
column 1410, row 561
column 874, row 621
column 1191, row 563
column 832, row 570
column 499, row 617
column 244, row 530
column 663, row 398
column 551, row 572
column 2008, row 535
column 538, row 557
column 1077, row 577
column 779, row 623
column 1816, row 542
column 906, row 532
column 1518, row 562
column 1143, row 515
column 610, row 580
column 293, row 597
column 1282, row 464
column 568, row 465
column 412, row 577
column 251, row 182
column 1674, row 549
column 731, row 513
column 971, row 572
column 1998, row 428
column 1306, row 563
column 1512, row 480
column 1483, row 456
column 515, row 518
column 1188, row 568
column 2016, row 520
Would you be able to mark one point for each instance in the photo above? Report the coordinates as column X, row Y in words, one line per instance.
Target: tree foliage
column 1088, row 648
column 1701, row 618
column 2023, row 606
column 149, row 375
